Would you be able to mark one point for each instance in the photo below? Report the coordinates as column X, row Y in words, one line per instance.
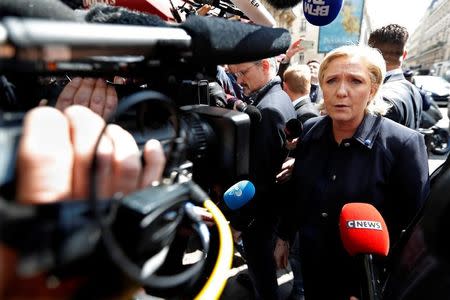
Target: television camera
column 169, row 68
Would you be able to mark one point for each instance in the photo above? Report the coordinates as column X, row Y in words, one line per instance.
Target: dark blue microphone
column 239, row 194
column 321, row 12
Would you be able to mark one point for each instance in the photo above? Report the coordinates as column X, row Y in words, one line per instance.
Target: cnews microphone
column 321, row 12
column 239, row 194
column 363, row 231
column 256, row 12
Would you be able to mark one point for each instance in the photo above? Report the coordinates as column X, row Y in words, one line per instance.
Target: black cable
column 116, row 252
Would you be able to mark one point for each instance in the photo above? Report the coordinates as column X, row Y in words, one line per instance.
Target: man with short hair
column 297, row 84
column 267, row 153
column 404, row 97
column 315, row 93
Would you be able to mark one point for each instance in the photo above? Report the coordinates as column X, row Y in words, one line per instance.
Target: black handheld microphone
column 251, row 110
column 293, row 129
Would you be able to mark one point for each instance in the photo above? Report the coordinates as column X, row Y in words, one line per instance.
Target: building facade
column 294, row 20
column 429, row 45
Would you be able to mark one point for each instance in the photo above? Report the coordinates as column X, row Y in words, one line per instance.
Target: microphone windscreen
column 363, row 230
column 321, row 13
column 239, row 194
column 283, row 4
column 120, row 15
column 41, row 9
column 221, row 41
column 254, row 113
column 294, row 128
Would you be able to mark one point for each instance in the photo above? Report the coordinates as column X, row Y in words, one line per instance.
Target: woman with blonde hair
column 352, row 154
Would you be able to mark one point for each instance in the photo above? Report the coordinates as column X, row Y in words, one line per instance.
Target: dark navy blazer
column 384, row 164
column 405, row 99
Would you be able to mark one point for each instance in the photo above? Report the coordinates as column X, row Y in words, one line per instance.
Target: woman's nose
column 342, row 89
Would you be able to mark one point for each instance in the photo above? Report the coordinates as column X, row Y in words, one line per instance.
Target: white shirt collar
column 395, row 71
column 299, row 99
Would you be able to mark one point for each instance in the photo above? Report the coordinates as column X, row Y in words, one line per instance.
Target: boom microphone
column 321, row 12
column 206, row 40
column 223, row 41
column 239, row 194
column 363, row 231
column 256, row 12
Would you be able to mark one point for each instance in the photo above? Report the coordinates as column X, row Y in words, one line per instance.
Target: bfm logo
column 316, row 8
column 236, row 191
column 364, row 224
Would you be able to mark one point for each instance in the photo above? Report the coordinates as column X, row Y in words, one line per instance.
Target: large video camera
column 168, row 100
column 158, row 59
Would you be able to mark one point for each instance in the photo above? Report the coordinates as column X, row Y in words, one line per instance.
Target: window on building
column 301, row 58
column 303, row 25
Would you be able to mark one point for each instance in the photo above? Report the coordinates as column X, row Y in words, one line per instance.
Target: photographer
column 55, row 153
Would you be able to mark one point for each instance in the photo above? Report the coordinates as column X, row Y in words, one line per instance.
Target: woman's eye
column 331, row 80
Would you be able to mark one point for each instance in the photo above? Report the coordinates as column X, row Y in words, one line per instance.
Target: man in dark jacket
column 267, row 152
column 297, row 84
column 315, row 93
column 403, row 96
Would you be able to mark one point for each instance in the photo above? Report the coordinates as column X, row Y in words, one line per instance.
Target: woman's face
column 347, row 90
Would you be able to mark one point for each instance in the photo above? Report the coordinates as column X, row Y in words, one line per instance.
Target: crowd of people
column 359, row 143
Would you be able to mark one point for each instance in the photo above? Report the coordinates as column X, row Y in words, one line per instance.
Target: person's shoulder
column 398, row 88
column 391, row 129
column 275, row 98
column 310, row 125
column 275, row 91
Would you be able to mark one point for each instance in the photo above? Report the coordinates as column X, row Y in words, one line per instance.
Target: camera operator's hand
column 56, row 151
column 54, row 157
column 204, row 10
column 90, row 92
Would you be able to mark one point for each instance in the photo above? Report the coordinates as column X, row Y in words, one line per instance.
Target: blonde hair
column 298, row 79
column 375, row 64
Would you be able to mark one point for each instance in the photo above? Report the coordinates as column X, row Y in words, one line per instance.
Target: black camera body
column 216, row 140
column 207, row 144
